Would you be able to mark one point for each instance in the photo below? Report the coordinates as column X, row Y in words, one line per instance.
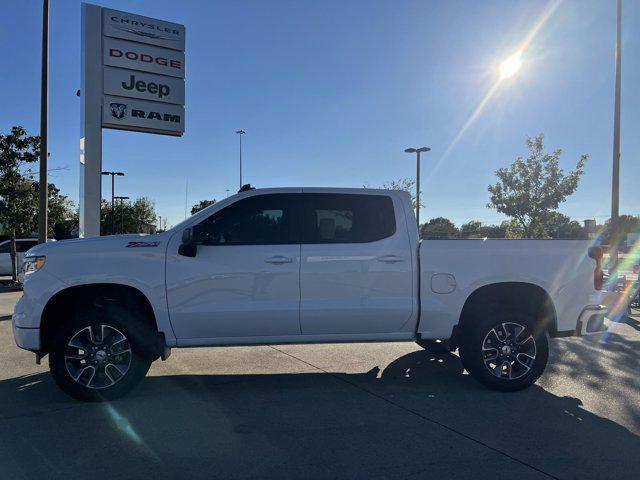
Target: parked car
column 22, row 245
column 302, row 265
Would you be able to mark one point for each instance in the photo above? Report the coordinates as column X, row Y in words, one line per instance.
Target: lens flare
column 511, row 65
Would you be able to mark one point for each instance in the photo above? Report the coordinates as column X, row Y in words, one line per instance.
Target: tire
column 101, row 353
column 506, row 353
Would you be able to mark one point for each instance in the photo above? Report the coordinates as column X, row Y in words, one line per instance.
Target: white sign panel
column 146, row 58
column 142, row 29
column 141, row 115
column 146, row 86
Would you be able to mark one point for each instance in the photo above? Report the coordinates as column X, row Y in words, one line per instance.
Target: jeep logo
column 160, row 90
column 118, row 110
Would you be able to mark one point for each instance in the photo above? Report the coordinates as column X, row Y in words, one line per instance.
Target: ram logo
column 119, row 110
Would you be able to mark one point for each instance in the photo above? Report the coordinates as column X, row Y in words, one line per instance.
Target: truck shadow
column 421, row 411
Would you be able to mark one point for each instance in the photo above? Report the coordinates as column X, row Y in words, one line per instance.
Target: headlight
column 33, row 264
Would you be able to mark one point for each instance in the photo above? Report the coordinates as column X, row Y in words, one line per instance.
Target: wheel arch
column 70, row 299
column 511, row 296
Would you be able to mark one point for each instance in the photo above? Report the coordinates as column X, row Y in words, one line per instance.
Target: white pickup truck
column 301, row 265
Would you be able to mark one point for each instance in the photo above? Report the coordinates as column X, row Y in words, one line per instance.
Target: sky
column 330, row 93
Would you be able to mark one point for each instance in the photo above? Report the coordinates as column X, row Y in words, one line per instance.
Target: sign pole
column 133, row 70
column 91, row 122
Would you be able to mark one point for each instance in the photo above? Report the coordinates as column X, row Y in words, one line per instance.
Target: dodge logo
column 119, row 110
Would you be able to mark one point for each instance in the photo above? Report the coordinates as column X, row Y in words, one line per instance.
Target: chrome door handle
column 390, row 259
column 278, row 260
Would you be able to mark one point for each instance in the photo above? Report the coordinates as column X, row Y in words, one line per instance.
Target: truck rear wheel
column 506, row 354
column 100, row 354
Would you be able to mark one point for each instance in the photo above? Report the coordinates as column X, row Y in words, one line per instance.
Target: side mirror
column 188, row 247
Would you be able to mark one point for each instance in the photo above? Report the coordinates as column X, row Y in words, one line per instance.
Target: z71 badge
column 142, row 244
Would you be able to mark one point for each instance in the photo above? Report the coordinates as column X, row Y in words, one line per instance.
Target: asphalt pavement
column 389, row 410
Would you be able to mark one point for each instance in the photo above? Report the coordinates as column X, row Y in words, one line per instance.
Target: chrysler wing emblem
column 143, row 33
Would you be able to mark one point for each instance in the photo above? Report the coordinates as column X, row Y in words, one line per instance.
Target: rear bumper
column 592, row 320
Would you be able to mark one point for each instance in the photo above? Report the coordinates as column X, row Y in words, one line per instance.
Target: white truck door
column 245, row 278
column 356, row 274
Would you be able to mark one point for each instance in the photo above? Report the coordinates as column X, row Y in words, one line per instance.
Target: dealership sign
column 128, row 83
column 133, row 78
column 146, row 58
column 142, row 29
column 130, row 114
column 143, row 62
column 141, row 70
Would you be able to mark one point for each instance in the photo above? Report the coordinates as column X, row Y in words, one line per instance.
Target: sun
column 511, row 65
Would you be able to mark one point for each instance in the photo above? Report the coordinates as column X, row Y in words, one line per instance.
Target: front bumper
column 27, row 338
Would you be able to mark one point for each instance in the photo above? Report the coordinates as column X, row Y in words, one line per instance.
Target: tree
column 475, row 229
column 530, row 189
column 16, row 149
column 404, row 184
column 493, row 231
column 202, row 204
column 471, row 230
column 560, row 226
column 138, row 216
column 60, row 216
column 439, row 228
column 626, row 224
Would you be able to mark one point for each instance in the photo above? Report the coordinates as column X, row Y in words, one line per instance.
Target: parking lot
column 329, row 411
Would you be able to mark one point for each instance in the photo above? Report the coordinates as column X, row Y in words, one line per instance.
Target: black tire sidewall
column 472, row 357
column 118, row 318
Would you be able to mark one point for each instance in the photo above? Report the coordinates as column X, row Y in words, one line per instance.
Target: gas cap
column 443, row 283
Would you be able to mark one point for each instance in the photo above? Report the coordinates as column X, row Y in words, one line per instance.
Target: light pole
column 43, row 194
column 122, row 199
column 240, row 133
column 417, row 151
column 113, row 176
column 615, row 176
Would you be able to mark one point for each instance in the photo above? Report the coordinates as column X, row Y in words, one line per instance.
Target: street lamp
column 122, row 199
column 615, row 174
column 417, row 151
column 240, row 133
column 113, row 175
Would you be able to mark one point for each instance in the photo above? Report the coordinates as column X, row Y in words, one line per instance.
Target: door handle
column 278, row 260
column 390, row 259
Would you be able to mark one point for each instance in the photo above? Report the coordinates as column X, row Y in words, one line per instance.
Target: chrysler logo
column 119, row 110
column 143, row 33
column 144, row 28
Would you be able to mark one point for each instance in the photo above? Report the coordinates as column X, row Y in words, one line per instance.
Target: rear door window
column 347, row 218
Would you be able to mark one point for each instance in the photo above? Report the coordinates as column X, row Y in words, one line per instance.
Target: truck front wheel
column 98, row 355
column 506, row 354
